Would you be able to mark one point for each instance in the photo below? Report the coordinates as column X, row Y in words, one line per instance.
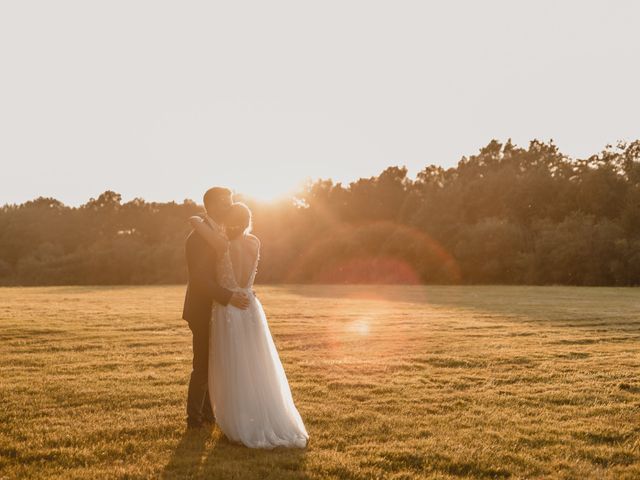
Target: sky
column 162, row 100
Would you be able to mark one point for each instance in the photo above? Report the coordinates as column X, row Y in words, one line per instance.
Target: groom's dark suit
column 202, row 290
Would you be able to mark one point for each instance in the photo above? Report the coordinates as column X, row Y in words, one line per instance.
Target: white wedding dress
column 248, row 388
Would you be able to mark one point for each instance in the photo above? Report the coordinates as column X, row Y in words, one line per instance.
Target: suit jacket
column 203, row 288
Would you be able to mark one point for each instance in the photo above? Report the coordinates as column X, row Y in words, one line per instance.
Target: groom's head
column 217, row 201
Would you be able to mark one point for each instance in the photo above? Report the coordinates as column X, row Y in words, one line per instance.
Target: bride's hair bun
column 238, row 219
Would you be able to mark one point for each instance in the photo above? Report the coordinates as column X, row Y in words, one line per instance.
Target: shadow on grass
column 186, row 459
column 521, row 302
column 208, row 454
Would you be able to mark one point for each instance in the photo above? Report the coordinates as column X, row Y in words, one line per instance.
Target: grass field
column 392, row 382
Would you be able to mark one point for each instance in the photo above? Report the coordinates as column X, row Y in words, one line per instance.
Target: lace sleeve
column 254, row 270
column 213, row 237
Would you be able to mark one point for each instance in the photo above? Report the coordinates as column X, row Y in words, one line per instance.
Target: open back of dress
column 244, row 253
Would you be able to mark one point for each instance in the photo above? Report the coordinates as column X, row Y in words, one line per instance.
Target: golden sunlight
column 267, row 188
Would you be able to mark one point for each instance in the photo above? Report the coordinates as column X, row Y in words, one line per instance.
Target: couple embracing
column 237, row 379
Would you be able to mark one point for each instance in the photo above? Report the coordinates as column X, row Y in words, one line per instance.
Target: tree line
column 507, row 215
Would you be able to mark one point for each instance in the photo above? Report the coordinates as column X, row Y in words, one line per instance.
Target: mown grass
column 392, row 382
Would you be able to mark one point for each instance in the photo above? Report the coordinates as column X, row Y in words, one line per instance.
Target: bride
column 248, row 388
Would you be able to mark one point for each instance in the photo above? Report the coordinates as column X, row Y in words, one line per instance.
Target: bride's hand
column 195, row 221
column 239, row 300
column 214, row 237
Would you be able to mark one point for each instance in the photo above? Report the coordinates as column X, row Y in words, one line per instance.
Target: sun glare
column 360, row 326
column 269, row 189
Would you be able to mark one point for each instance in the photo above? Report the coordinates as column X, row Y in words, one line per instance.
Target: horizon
column 291, row 195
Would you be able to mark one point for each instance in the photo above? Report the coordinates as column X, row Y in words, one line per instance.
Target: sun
column 268, row 189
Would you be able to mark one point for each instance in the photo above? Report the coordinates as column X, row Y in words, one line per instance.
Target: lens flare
column 360, row 326
column 376, row 253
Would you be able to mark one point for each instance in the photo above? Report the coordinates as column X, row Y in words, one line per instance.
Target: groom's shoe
column 209, row 419
column 194, row 424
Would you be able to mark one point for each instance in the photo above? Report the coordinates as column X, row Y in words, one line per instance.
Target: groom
column 202, row 291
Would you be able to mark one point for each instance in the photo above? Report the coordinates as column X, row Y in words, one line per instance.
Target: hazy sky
column 163, row 99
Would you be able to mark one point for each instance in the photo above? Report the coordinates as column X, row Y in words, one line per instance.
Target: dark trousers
column 198, row 402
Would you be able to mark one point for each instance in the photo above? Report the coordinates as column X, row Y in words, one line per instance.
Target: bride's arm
column 214, row 238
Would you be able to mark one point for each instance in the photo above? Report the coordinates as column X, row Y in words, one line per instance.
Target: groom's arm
column 201, row 278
